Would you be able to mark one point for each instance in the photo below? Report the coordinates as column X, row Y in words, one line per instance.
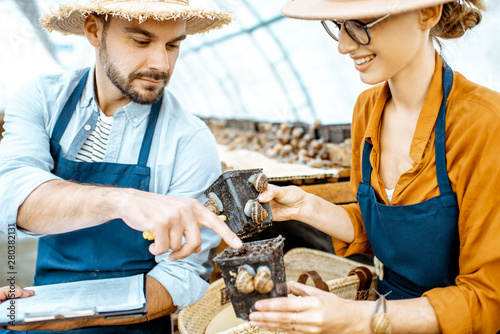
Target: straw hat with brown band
column 351, row 9
column 69, row 19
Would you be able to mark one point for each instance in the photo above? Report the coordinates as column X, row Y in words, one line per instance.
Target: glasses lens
column 332, row 29
column 357, row 32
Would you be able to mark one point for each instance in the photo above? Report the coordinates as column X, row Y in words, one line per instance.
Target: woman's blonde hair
column 458, row 17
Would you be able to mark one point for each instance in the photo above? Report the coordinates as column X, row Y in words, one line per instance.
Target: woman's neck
column 410, row 86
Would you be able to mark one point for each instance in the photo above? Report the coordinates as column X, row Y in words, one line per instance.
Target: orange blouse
column 473, row 164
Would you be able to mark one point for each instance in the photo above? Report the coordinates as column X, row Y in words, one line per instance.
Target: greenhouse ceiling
column 261, row 67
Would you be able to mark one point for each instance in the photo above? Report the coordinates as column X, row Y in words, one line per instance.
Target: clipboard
column 110, row 298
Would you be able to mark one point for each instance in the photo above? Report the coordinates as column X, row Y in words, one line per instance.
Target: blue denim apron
column 109, row 250
column 419, row 243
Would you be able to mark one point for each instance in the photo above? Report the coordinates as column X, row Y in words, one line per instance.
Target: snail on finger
column 263, row 281
column 255, row 211
column 245, row 279
column 259, row 182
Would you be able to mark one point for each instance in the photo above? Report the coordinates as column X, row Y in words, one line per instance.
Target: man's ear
column 430, row 16
column 93, row 29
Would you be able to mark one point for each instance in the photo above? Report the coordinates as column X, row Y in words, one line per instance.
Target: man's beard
column 125, row 84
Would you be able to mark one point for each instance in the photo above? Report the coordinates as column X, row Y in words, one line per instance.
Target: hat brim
column 70, row 19
column 356, row 9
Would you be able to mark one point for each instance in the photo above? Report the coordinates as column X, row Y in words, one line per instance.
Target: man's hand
column 171, row 218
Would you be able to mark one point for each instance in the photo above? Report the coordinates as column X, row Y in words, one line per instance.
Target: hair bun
column 457, row 18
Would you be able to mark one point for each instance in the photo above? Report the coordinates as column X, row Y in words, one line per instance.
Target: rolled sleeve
column 361, row 244
column 184, row 279
column 25, row 160
column 443, row 300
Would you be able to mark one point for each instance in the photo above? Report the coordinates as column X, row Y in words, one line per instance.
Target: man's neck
column 109, row 98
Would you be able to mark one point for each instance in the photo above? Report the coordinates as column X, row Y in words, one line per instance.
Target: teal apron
column 419, row 243
column 109, row 250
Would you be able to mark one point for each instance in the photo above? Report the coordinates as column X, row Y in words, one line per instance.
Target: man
column 92, row 157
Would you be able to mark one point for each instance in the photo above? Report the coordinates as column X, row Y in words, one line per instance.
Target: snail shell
column 285, row 127
column 214, row 204
column 259, row 181
column 244, row 281
column 285, row 140
column 307, row 137
column 255, row 211
column 297, row 133
column 381, row 324
column 263, row 281
column 286, row 150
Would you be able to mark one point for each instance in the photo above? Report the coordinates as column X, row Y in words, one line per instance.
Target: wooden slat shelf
column 338, row 193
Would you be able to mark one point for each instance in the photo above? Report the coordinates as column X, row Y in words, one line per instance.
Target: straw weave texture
column 69, row 19
column 332, row 268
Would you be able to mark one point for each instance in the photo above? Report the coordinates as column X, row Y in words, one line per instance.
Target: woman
column 424, row 169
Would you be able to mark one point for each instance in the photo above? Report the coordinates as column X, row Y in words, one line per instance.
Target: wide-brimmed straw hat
column 69, row 19
column 351, row 9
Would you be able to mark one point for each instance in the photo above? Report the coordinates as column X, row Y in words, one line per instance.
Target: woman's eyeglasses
column 357, row 30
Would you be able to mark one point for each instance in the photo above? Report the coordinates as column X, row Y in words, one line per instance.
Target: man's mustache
column 154, row 75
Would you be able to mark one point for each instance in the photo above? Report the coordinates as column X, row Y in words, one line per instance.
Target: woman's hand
column 286, row 202
column 315, row 311
column 7, row 293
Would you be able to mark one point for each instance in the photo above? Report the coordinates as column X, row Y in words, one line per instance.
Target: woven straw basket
column 334, row 270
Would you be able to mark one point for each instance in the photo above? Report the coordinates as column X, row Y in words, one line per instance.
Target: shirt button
column 136, row 120
column 87, row 127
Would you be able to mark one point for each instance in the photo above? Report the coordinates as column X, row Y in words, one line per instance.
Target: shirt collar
column 428, row 115
column 88, row 91
column 372, row 129
column 426, row 119
column 135, row 113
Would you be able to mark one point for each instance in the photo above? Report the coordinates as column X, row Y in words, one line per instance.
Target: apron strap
column 148, row 137
column 441, row 171
column 69, row 107
column 366, row 166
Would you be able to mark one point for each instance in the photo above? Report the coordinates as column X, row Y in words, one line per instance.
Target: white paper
column 104, row 295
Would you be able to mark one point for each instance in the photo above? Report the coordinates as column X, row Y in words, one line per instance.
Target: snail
column 307, row 137
column 381, row 324
column 263, row 281
column 259, row 181
column 255, row 211
column 244, row 281
column 285, row 127
column 214, row 204
column 297, row 132
column 285, row 139
column 316, row 163
column 286, row 150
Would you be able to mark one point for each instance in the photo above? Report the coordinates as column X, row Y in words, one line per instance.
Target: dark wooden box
column 255, row 254
column 234, row 191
